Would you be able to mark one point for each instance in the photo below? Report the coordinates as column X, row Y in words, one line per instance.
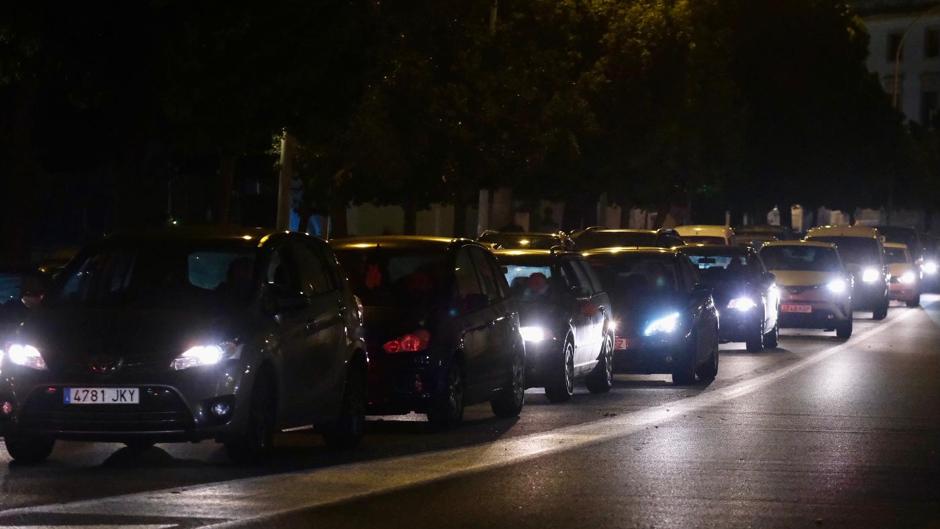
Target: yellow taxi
column 706, row 234
column 903, row 275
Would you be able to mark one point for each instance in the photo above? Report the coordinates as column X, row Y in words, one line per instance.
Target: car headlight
column 742, row 304
column 870, row 275
column 664, row 325
column 908, row 278
column 206, row 355
column 837, row 286
column 533, row 333
column 25, row 355
column 931, row 267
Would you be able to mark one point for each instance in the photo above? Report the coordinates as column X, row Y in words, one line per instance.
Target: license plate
column 802, row 309
column 621, row 344
column 101, row 396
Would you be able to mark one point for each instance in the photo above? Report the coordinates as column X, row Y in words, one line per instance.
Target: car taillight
column 409, row 343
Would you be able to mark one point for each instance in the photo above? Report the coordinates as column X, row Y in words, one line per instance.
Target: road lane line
column 263, row 497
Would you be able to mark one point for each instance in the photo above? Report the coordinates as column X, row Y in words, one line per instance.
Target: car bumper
column 869, row 296
column 823, row 315
column 648, row 355
column 403, row 383
column 173, row 406
column 736, row 326
column 902, row 292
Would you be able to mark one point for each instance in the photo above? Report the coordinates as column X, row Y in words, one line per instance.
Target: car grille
column 801, row 289
column 160, row 410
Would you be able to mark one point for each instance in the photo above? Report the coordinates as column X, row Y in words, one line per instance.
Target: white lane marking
column 258, row 498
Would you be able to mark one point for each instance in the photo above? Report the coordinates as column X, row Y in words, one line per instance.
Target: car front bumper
column 173, row 405
column 649, row 355
column 901, row 292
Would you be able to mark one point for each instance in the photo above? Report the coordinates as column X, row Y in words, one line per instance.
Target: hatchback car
column 904, row 276
column 566, row 320
column 745, row 292
column 183, row 335
column 527, row 240
column 596, row 237
column 666, row 320
column 441, row 330
column 860, row 249
column 815, row 288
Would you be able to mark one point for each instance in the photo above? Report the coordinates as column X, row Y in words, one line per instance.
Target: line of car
column 187, row 334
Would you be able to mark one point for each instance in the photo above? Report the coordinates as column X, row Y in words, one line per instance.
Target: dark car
column 527, row 240
column 666, row 320
column 592, row 238
column 743, row 290
column 21, row 286
column 184, row 335
column 862, row 252
column 566, row 320
column 441, row 330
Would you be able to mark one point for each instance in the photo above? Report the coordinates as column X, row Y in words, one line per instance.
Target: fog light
column 221, row 409
column 6, row 408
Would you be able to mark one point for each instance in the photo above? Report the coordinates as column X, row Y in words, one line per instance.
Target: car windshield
column 854, row 250
column 636, row 274
column 384, row 277
column 157, row 276
column 716, row 266
column 702, row 239
column 802, row 258
column 607, row 239
column 529, row 282
column 521, row 240
column 895, row 255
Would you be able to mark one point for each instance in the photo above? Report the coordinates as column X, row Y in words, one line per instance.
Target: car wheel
column 709, row 370
column 561, row 387
column 881, row 312
column 510, row 400
column 772, row 338
column 601, row 379
column 844, row 329
column 29, row 449
column 447, row 409
column 258, row 438
column 755, row 340
column 914, row 302
column 347, row 430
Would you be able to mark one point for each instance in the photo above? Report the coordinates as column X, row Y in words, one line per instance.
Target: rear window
column 854, row 250
column 715, row 266
column 805, row 258
column 636, row 274
column 395, row 278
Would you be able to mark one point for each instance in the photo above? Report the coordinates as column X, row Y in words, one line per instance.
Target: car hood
column 802, row 278
column 65, row 336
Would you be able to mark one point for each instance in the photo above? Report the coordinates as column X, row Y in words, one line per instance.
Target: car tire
column 511, row 399
column 561, row 386
column 881, row 311
column 29, row 449
column 844, row 329
column 755, row 340
column 772, row 338
column 683, row 374
column 601, row 378
column 709, row 370
column 914, row 302
column 256, row 442
column 446, row 410
column 347, row 430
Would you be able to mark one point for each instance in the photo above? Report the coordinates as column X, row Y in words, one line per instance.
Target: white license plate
column 791, row 307
column 101, row 396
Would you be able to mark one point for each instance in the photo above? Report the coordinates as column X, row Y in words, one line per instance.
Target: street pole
column 286, row 172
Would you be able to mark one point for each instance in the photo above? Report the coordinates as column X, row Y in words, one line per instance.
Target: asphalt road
column 818, row 433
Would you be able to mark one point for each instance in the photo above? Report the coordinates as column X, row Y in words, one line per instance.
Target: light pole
column 897, row 53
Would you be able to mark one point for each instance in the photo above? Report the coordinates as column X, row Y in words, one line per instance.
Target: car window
column 466, row 278
column 404, row 278
column 595, row 281
column 313, row 275
column 488, row 278
column 280, row 272
column 576, row 277
column 895, row 255
column 689, row 275
column 808, row 258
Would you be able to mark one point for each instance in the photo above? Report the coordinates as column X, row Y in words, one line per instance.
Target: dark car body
column 862, row 252
column 744, row 291
column 219, row 331
column 666, row 321
column 592, row 238
column 527, row 240
column 565, row 317
column 439, row 323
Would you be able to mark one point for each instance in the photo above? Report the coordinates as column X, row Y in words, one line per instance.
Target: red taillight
column 409, row 343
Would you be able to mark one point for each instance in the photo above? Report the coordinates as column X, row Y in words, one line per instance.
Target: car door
column 322, row 365
column 601, row 300
column 474, row 321
column 582, row 317
column 500, row 340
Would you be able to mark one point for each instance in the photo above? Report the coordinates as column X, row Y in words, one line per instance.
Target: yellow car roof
column 896, row 245
column 843, row 231
column 707, row 230
column 799, row 243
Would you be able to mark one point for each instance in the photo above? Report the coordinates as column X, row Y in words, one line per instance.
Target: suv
column 187, row 334
column 596, row 237
column 862, row 251
column 566, row 320
column 441, row 331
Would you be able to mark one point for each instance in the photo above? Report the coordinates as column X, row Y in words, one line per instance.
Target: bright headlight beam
column 742, row 303
column 532, row 333
column 205, row 355
column 870, row 275
column 662, row 325
column 931, row 267
column 25, row 355
column 908, row 278
column 837, row 286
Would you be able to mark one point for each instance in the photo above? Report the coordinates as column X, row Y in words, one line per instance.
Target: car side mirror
column 33, row 290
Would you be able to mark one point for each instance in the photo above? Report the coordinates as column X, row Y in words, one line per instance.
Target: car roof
column 632, row 250
column 704, row 229
column 818, row 244
column 897, row 245
column 523, row 234
column 193, row 234
column 714, row 247
column 843, row 231
column 398, row 242
column 519, row 252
